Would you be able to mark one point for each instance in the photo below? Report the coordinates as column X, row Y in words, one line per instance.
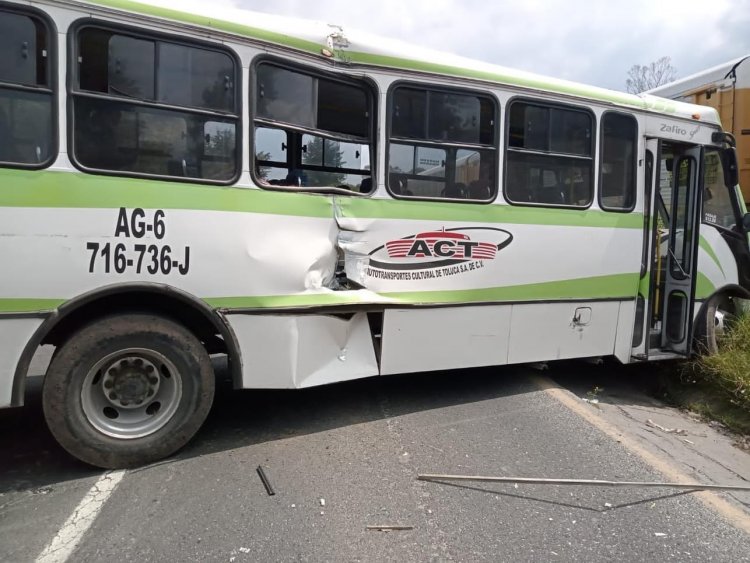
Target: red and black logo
column 433, row 249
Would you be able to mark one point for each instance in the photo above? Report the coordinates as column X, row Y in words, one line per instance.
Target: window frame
column 368, row 85
column 52, row 75
column 632, row 207
column 75, row 92
column 443, row 89
column 557, row 105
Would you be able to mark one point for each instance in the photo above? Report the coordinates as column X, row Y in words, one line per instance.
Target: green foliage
column 730, row 368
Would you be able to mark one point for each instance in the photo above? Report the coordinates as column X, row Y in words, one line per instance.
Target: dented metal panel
column 294, row 351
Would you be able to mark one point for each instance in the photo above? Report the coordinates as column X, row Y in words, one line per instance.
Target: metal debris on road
column 388, row 528
column 266, row 482
column 587, row 482
column 653, row 424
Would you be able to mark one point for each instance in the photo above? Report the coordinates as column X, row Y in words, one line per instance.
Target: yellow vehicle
column 726, row 88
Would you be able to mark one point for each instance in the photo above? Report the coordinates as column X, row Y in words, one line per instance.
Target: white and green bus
column 320, row 205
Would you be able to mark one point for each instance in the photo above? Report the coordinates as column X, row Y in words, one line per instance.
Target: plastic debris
column 322, row 502
column 244, row 550
column 660, row 535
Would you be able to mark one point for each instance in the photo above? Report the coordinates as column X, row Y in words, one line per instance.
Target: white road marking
column 67, row 539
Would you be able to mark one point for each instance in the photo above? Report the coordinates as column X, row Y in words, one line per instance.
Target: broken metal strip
column 266, row 482
column 585, row 482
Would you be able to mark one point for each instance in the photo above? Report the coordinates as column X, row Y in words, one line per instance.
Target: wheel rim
column 131, row 393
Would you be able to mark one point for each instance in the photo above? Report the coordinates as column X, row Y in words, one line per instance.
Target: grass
column 729, row 370
column 717, row 387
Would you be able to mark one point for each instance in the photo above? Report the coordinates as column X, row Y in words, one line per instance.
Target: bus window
column 618, row 162
column 549, row 155
column 717, row 198
column 442, row 145
column 146, row 106
column 26, row 94
column 311, row 131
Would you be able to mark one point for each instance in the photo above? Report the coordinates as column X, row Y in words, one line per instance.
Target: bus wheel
column 719, row 315
column 128, row 390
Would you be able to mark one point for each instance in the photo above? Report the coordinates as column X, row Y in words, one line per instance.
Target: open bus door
column 677, row 187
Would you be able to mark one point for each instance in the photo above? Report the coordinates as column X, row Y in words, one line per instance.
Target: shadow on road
column 32, row 460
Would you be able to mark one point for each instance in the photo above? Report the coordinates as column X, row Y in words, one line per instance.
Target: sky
column 594, row 42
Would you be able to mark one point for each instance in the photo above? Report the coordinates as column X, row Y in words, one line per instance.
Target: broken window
column 311, row 131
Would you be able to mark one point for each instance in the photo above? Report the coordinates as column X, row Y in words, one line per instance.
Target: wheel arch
column 731, row 290
column 195, row 314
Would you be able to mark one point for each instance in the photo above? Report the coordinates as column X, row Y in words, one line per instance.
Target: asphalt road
column 359, row 446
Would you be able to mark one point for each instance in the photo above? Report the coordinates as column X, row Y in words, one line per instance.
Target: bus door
column 676, row 213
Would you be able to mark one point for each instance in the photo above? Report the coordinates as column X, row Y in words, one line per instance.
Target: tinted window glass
column 26, row 117
column 440, row 167
column 195, row 77
column 454, row 117
column 307, row 101
column 550, row 129
column 25, row 126
column 131, row 67
column 409, row 112
column 342, row 108
column 21, row 53
column 550, row 179
column 122, row 137
column 541, row 179
column 717, row 198
column 285, row 96
column 529, row 127
column 618, row 161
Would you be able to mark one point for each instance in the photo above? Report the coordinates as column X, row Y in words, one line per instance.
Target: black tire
column 718, row 314
column 77, row 359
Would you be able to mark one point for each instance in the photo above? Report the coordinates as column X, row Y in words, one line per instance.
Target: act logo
column 439, row 249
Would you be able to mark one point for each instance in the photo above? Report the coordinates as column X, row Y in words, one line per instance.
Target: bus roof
column 708, row 77
column 362, row 48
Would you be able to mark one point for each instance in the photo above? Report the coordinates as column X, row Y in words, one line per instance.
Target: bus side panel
column 445, row 338
column 14, row 334
column 295, row 351
column 557, row 331
column 717, row 266
column 625, row 327
column 230, row 259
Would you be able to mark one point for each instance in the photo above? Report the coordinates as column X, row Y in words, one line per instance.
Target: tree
column 324, row 152
column 646, row 77
column 262, row 171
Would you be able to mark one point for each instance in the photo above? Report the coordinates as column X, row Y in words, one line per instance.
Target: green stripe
column 20, row 188
column 394, row 62
column 703, row 287
column 703, row 243
column 29, row 305
column 477, row 213
column 615, row 286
